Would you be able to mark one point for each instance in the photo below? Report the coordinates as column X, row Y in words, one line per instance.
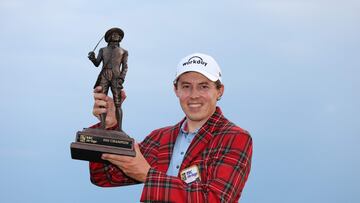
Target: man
column 113, row 71
column 203, row 158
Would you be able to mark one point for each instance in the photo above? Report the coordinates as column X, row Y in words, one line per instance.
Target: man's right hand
column 91, row 55
column 104, row 104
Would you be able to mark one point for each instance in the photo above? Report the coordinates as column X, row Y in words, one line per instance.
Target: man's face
column 115, row 37
column 197, row 95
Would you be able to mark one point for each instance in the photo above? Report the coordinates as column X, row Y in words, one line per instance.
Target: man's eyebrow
column 201, row 83
column 204, row 83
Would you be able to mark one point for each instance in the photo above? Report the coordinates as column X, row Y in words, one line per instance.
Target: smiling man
column 203, row 158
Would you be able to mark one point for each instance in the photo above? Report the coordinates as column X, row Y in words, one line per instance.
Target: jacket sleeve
column 226, row 175
column 109, row 175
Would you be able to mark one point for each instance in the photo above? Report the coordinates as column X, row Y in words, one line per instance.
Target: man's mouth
column 194, row 105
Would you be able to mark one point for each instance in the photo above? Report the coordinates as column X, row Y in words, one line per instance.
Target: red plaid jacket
column 221, row 150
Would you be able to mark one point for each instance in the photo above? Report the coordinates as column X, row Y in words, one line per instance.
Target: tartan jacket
column 221, row 150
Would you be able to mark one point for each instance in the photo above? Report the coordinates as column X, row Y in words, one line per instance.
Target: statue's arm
column 124, row 63
column 96, row 60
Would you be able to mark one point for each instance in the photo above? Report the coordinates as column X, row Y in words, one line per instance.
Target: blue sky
column 290, row 70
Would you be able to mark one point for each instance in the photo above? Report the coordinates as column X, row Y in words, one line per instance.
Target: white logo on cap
column 195, row 60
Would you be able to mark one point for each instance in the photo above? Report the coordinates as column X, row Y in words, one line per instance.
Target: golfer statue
column 113, row 72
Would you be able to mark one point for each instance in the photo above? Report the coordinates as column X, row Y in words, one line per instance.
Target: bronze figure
column 114, row 68
column 91, row 143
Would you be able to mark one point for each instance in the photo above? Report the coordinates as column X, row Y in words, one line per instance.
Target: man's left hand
column 135, row 167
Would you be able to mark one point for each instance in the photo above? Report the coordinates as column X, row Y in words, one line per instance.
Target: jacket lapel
column 202, row 139
column 167, row 142
column 198, row 144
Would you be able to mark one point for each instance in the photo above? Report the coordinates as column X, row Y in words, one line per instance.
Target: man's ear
column 221, row 92
column 176, row 90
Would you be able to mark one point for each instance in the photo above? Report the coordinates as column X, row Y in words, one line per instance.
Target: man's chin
column 195, row 117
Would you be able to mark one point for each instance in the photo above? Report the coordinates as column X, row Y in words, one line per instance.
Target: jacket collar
column 202, row 138
column 209, row 125
column 198, row 144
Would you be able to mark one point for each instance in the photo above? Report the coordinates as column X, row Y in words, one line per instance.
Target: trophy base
column 91, row 143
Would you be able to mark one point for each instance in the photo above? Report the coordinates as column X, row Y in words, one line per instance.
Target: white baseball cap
column 201, row 63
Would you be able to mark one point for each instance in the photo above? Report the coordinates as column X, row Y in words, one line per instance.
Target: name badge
column 191, row 174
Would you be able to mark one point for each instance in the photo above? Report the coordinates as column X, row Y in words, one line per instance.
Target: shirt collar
column 211, row 123
column 185, row 129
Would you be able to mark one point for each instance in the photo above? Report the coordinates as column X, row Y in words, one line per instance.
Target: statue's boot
column 119, row 115
column 102, row 120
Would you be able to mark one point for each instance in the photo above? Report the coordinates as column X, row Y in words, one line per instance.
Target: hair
column 218, row 83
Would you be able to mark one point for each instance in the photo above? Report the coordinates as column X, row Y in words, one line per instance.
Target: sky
column 290, row 68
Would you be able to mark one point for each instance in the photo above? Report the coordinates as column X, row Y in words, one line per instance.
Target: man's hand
column 135, row 167
column 91, row 55
column 105, row 104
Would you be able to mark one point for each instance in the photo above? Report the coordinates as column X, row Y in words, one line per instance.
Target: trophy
column 91, row 143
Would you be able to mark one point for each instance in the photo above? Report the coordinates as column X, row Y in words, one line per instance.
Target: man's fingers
column 97, row 111
column 137, row 148
column 123, row 94
column 117, row 158
column 99, row 107
column 100, row 96
column 98, row 89
column 100, row 103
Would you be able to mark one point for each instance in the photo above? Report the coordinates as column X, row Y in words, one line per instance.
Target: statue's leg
column 116, row 91
column 105, row 89
column 119, row 115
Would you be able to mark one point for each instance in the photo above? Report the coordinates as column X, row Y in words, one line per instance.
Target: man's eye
column 204, row 87
column 185, row 86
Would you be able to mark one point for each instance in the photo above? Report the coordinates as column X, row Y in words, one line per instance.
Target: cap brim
column 198, row 70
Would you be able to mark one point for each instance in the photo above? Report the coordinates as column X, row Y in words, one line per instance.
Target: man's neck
column 194, row 125
column 114, row 44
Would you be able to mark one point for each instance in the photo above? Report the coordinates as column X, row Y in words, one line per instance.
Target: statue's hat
column 112, row 30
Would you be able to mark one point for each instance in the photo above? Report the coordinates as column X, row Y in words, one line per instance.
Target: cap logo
column 195, row 60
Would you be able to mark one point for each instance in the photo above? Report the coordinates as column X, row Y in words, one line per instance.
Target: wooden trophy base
column 91, row 143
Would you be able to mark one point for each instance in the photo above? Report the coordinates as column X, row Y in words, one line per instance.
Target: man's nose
column 194, row 93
